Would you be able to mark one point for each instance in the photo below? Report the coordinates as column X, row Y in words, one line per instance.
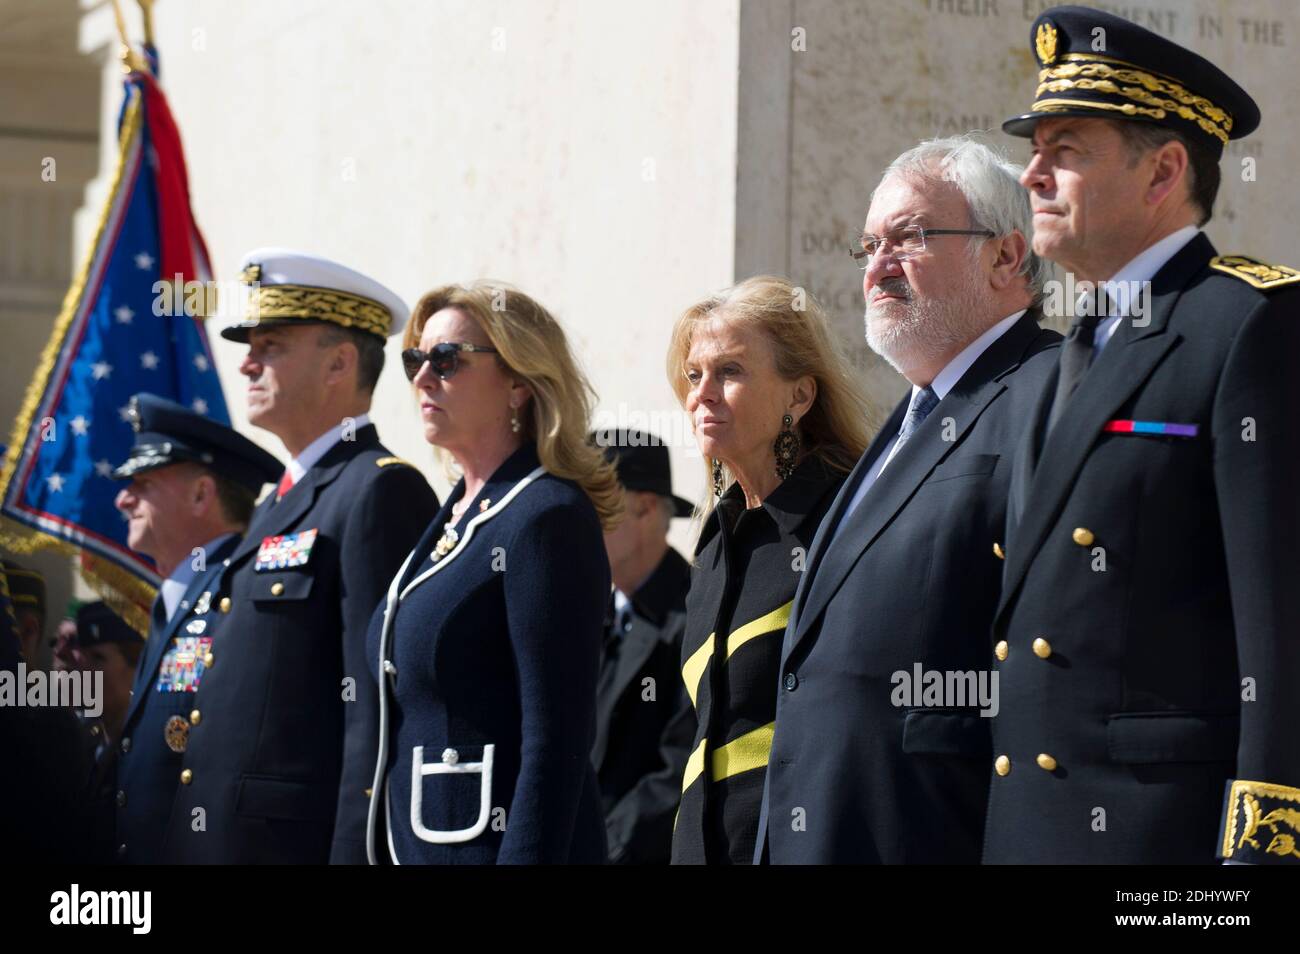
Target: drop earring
column 786, row 448
column 717, row 477
column 515, row 426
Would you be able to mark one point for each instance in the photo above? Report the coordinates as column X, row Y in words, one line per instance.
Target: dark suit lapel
column 1117, row 373
column 1027, row 453
column 826, row 531
column 927, row 448
column 637, row 644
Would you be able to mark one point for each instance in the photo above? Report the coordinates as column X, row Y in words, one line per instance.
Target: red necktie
column 283, row 487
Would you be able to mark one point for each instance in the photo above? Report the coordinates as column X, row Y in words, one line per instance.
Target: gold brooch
column 446, row 543
column 1045, row 42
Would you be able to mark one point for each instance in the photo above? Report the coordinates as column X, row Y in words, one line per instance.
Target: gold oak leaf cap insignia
column 1045, row 43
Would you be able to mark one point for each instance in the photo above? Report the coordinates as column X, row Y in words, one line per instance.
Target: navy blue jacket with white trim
column 487, row 669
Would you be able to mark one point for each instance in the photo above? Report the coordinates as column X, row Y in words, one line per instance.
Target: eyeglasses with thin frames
column 906, row 242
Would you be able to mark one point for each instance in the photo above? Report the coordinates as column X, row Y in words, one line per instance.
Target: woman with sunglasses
column 487, row 645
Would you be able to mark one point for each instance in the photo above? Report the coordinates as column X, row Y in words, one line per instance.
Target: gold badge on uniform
column 1045, row 43
column 176, row 733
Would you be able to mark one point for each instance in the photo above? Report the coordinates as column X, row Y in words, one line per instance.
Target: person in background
column 110, row 651
column 485, row 650
column 27, row 595
column 780, row 422
column 44, row 816
column 63, row 647
column 644, row 719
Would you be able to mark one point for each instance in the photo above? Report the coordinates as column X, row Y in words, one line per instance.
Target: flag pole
column 146, row 11
column 132, row 62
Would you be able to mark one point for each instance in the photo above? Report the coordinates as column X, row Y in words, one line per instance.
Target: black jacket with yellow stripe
column 747, row 566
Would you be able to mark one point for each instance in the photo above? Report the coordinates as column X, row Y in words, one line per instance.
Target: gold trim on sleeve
column 1262, row 806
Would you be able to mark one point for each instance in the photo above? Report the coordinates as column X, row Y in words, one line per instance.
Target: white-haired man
column 878, row 755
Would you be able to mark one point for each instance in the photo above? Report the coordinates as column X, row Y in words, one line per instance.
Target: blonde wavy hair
column 837, row 427
column 532, row 346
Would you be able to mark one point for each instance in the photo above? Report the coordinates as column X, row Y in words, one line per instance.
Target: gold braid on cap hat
column 1087, row 71
column 319, row 304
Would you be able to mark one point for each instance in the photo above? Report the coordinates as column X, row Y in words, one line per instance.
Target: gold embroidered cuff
column 1261, row 823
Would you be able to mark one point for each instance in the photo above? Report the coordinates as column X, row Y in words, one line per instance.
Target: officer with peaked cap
column 282, row 740
column 27, row 600
column 1146, row 638
column 192, row 487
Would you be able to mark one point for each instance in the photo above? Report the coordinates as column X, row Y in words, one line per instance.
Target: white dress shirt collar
column 174, row 587
column 317, row 449
column 1133, row 275
column 947, row 379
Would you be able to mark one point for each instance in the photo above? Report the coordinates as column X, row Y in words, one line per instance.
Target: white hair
column 989, row 182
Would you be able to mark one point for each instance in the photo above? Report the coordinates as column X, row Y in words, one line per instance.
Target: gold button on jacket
column 1083, row 536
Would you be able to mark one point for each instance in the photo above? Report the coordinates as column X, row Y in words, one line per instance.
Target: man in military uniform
column 1147, row 635
column 282, row 744
column 193, row 486
column 108, row 646
column 27, row 597
column 644, row 720
column 44, row 816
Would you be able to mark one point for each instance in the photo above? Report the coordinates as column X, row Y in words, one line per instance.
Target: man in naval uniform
column 193, row 485
column 279, row 767
column 1148, row 636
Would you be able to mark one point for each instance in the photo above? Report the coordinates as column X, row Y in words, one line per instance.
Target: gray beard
column 926, row 330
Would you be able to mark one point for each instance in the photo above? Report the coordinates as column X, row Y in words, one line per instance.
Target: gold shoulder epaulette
column 386, row 461
column 1255, row 273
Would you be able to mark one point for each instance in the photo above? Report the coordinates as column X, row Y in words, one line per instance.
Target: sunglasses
column 444, row 357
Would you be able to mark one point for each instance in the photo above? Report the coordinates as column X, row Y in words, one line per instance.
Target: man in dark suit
column 1147, row 632
column 868, row 763
column 644, row 720
column 193, row 486
column 279, row 767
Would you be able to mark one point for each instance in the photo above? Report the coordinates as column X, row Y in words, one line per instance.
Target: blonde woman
column 780, row 423
column 486, row 648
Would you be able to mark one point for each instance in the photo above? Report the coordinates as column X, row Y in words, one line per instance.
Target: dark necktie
column 158, row 615
column 1076, row 358
column 923, row 402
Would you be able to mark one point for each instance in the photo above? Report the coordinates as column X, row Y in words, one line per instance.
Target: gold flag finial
column 132, row 62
